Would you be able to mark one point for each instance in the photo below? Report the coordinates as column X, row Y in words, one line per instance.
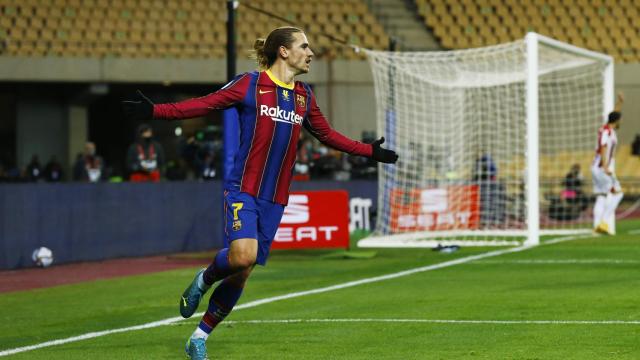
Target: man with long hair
column 273, row 108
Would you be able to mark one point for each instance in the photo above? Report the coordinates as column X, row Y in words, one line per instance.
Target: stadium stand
column 608, row 26
column 172, row 28
column 627, row 166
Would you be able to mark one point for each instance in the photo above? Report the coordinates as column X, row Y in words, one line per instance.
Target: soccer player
column 272, row 108
column 606, row 186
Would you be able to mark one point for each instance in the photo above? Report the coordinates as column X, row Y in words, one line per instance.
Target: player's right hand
column 140, row 109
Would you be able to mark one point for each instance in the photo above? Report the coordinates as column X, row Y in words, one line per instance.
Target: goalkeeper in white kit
column 606, row 186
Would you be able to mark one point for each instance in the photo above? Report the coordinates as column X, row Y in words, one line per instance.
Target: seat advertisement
column 314, row 219
column 435, row 209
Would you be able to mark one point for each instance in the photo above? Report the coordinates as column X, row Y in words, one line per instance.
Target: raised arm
column 619, row 102
column 145, row 109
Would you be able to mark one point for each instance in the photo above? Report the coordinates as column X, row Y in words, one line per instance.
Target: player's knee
column 242, row 259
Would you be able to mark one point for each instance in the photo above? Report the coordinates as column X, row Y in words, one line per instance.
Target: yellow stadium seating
column 609, row 26
column 190, row 29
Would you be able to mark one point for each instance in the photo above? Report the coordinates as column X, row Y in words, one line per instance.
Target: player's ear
column 283, row 52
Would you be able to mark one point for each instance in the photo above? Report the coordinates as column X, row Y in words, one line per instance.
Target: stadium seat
column 603, row 25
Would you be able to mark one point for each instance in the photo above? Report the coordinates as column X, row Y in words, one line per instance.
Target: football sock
column 598, row 210
column 222, row 301
column 219, row 268
column 199, row 334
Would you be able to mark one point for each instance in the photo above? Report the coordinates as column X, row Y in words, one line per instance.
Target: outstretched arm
column 319, row 127
column 144, row 109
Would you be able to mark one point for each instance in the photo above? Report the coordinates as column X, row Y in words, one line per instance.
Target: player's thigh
column 241, row 228
column 602, row 182
column 241, row 217
column 269, row 217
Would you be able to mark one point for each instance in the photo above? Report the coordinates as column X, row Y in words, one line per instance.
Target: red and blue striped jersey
column 271, row 114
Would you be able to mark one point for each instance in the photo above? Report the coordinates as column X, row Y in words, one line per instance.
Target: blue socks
column 219, row 268
column 222, row 301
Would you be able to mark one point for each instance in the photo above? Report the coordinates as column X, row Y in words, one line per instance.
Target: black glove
column 141, row 109
column 383, row 155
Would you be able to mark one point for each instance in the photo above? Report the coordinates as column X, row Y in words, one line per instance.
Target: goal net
column 487, row 138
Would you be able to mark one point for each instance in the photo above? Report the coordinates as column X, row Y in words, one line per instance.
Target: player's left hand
column 140, row 109
column 383, row 155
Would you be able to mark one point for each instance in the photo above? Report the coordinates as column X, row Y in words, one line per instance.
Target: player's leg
column 613, row 200
column 601, row 186
column 598, row 209
column 242, row 257
column 239, row 253
column 222, row 301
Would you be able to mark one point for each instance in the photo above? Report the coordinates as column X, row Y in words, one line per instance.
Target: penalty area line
column 269, row 300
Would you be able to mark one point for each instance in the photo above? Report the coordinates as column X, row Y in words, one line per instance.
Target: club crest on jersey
column 281, row 115
column 237, row 225
column 285, row 95
column 300, row 100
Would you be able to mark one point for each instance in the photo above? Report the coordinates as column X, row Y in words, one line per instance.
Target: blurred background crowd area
column 197, row 157
column 65, row 65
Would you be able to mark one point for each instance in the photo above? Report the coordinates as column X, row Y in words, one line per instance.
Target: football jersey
column 606, row 137
column 271, row 115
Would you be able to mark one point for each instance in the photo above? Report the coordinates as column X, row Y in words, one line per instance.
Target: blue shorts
column 249, row 217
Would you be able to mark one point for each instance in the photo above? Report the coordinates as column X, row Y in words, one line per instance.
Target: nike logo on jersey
column 262, row 92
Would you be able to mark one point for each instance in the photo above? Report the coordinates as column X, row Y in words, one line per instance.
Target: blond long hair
column 266, row 50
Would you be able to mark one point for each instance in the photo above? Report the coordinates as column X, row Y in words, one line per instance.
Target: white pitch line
column 634, row 232
column 559, row 261
column 290, row 295
column 441, row 321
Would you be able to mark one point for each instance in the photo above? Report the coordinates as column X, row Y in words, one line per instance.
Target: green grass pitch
column 532, row 304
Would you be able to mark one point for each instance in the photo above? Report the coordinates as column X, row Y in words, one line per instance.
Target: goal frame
column 532, row 232
column 532, row 42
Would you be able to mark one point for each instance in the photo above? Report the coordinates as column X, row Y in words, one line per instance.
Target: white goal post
column 487, row 138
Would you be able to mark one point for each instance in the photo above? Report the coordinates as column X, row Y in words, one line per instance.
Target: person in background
column 53, row 170
column 34, row 169
column 606, row 186
column 145, row 157
column 485, row 168
column 89, row 167
column 207, row 166
column 572, row 192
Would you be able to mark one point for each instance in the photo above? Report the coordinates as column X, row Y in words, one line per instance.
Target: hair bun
column 259, row 44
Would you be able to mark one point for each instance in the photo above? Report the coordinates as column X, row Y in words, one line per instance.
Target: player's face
column 300, row 54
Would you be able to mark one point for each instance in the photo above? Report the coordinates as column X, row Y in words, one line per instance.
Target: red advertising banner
column 314, row 219
column 435, row 209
